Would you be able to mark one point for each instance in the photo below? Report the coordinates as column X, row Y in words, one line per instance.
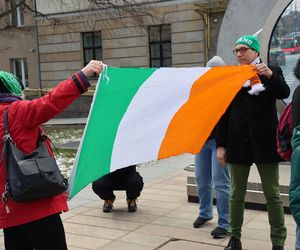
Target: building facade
column 18, row 42
column 161, row 34
column 172, row 34
column 44, row 48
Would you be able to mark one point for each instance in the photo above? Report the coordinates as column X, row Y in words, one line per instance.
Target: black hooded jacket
column 247, row 130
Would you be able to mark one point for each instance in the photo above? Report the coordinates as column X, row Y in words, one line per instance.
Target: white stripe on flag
column 152, row 110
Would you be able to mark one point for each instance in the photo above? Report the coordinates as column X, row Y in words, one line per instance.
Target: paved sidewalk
column 163, row 220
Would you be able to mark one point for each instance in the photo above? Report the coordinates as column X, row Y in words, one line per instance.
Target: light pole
column 37, row 50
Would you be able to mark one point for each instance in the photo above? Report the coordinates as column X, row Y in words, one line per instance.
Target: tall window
column 17, row 15
column 19, row 69
column 92, row 46
column 160, row 46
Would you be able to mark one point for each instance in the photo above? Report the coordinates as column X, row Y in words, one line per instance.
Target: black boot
column 108, row 205
column 132, row 206
column 199, row 222
column 234, row 244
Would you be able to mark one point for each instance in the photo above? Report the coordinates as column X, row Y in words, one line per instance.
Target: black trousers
column 122, row 179
column 43, row 234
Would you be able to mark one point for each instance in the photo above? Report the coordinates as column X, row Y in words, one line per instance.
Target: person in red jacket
column 35, row 224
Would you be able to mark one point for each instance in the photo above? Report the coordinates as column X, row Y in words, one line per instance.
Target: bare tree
column 133, row 8
column 12, row 13
column 11, row 10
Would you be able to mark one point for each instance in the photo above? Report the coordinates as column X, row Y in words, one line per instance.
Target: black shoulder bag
column 30, row 176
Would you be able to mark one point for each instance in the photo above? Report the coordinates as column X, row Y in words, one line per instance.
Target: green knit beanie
column 11, row 83
column 251, row 41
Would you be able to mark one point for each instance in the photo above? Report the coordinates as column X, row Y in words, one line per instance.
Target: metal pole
column 37, row 50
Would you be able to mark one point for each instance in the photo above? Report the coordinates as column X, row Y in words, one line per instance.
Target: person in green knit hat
column 10, row 84
column 246, row 135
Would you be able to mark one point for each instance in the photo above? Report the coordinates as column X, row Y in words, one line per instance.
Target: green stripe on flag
column 109, row 106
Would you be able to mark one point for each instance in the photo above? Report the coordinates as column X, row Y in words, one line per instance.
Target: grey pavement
column 163, row 220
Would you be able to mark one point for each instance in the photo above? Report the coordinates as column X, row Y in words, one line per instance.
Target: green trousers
column 269, row 175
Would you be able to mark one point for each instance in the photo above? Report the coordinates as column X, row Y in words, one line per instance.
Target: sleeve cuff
column 81, row 82
column 84, row 79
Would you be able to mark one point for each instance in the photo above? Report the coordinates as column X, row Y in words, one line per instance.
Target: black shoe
column 219, row 233
column 108, row 205
column 132, row 207
column 277, row 248
column 199, row 222
column 234, row 244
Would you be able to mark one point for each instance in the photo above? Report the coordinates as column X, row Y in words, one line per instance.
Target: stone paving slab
column 145, row 239
column 180, row 244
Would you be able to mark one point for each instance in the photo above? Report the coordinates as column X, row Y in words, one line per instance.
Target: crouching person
column 122, row 179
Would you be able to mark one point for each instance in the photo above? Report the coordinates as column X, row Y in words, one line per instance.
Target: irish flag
column 146, row 114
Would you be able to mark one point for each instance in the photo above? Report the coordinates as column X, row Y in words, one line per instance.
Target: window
column 17, row 15
column 92, row 46
column 160, row 46
column 19, row 69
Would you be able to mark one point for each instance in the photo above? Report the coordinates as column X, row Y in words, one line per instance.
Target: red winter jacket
column 24, row 118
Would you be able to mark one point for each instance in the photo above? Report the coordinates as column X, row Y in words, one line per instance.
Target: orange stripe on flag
column 210, row 96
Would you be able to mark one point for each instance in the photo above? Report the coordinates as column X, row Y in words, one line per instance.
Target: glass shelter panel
column 284, row 46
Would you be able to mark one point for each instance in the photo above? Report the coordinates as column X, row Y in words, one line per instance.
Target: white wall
column 61, row 6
